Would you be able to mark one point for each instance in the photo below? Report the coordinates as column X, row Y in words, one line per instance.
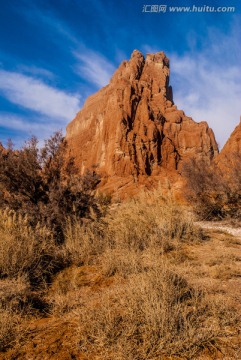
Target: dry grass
column 83, row 241
column 26, row 251
column 27, row 258
column 154, row 314
column 232, row 241
column 9, row 327
column 225, row 271
column 151, row 221
column 128, row 287
column 13, row 292
column 21, row 246
column 153, row 311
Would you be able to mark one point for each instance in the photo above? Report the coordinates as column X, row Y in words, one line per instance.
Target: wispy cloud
column 94, row 67
column 50, row 108
column 24, row 127
column 35, row 71
column 91, row 65
column 36, row 15
column 34, row 94
column 206, row 79
column 211, row 93
column 29, row 125
column 207, row 84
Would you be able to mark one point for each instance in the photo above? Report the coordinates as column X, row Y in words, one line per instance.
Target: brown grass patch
column 154, row 314
column 127, row 289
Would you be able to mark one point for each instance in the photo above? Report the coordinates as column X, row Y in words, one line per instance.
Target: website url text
column 189, row 9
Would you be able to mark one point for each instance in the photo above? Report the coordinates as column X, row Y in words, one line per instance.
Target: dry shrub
column 214, row 189
column 64, row 294
column 150, row 219
column 146, row 222
column 84, row 241
column 152, row 315
column 9, row 327
column 25, row 250
column 12, row 294
column 13, row 291
column 142, row 229
column 44, row 184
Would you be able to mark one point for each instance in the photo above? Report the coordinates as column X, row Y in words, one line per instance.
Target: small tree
column 44, row 184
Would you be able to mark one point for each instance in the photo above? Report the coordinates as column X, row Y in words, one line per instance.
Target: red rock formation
column 230, row 156
column 233, row 145
column 131, row 131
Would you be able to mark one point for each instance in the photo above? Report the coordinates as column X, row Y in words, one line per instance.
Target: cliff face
column 131, row 129
column 230, row 156
column 232, row 146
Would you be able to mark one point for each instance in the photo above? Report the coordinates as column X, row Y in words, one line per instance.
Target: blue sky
column 54, row 54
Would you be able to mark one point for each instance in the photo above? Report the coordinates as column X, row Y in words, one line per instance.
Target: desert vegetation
column 43, row 184
column 82, row 278
column 214, row 188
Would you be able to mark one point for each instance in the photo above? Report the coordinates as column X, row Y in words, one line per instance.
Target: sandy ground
column 222, row 226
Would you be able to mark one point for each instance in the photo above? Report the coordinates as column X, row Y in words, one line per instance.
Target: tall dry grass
column 134, row 230
column 151, row 311
column 13, row 294
column 151, row 218
column 27, row 257
column 84, row 241
column 146, row 308
column 152, row 315
column 26, row 251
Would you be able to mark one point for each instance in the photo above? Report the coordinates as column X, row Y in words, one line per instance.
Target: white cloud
column 94, row 67
column 24, row 124
column 25, row 127
column 36, row 71
column 12, row 121
column 207, row 85
column 34, row 94
column 211, row 93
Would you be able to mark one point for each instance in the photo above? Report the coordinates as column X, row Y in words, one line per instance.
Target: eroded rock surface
column 232, row 148
column 131, row 131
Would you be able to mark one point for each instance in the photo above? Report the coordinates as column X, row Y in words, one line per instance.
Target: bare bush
column 43, row 183
column 214, row 190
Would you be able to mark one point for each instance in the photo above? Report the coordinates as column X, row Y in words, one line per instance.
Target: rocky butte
column 131, row 131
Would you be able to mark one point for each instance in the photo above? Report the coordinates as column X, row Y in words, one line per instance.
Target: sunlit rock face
column 131, row 131
column 230, row 155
